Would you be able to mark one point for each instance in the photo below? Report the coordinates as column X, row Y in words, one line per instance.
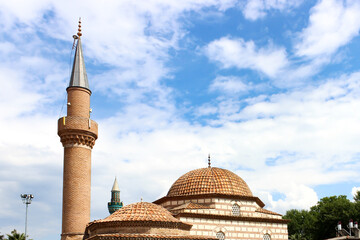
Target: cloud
column 256, row 9
column 235, row 52
column 285, row 143
column 229, row 84
column 298, row 137
column 297, row 196
column 354, row 191
column 332, row 24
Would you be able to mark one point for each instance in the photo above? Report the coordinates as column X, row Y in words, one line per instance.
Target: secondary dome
column 209, row 180
column 142, row 212
column 138, row 218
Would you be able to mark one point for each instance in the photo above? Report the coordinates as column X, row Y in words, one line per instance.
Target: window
column 236, row 210
column 220, row 235
column 267, row 237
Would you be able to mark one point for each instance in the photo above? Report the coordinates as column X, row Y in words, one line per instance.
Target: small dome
column 140, row 218
column 209, row 180
column 141, row 212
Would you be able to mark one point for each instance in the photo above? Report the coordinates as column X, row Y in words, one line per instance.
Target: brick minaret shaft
column 78, row 134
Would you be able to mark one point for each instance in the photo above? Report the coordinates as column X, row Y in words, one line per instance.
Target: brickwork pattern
column 77, row 134
column 237, row 229
column 138, row 229
column 78, row 102
column 76, row 190
column 147, row 237
column 252, row 222
column 209, row 180
column 80, row 124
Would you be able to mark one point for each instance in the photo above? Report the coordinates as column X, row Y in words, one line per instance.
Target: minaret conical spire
column 115, row 186
column 78, row 74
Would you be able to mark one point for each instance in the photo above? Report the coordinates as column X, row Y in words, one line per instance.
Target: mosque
column 204, row 204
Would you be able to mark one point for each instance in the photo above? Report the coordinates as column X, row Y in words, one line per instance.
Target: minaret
column 78, row 134
column 115, row 203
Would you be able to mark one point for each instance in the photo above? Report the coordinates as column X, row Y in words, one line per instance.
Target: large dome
column 209, row 180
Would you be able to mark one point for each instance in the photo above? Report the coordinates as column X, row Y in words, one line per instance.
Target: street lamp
column 26, row 198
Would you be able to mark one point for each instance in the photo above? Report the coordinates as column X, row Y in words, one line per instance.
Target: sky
column 269, row 88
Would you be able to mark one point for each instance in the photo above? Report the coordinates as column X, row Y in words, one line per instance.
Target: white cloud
column 255, row 9
column 354, row 191
column 288, row 143
column 296, row 138
column 332, row 24
column 229, row 84
column 297, row 196
column 235, row 52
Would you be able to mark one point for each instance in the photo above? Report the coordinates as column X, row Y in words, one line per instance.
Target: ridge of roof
column 190, row 205
column 262, row 210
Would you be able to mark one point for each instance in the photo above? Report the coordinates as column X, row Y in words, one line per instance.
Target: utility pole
column 26, row 198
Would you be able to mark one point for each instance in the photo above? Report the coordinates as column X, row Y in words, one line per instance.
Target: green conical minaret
column 115, row 203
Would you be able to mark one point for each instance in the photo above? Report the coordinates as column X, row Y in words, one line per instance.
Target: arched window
column 267, row 237
column 220, row 235
column 235, row 209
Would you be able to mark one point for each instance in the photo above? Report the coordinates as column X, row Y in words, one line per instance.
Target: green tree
column 300, row 225
column 320, row 221
column 1, row 237
column 327, row 212
column 297, row 236
column 16, row 236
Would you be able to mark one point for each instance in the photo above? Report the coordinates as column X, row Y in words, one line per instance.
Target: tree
column 320, row 221
column 15, row 235
column 1, row 237
column 300, row 225
column 327, row 212
column 297, row 236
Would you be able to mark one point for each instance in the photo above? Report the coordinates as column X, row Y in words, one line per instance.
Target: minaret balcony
column 77, row 124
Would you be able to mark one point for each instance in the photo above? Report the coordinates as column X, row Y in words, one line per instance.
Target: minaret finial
column 79, row 29
column 209, row 161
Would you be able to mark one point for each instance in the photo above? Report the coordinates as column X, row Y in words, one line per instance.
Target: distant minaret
column 78, row 134
column 115, row 203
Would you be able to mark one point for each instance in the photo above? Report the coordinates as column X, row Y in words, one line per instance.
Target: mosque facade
column 207, row 203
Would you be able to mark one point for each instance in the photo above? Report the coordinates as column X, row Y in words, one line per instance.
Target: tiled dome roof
column 209, row 180
column 138, row 218
column 142, row 212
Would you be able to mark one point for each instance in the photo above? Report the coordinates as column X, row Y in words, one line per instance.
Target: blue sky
column 270, row 88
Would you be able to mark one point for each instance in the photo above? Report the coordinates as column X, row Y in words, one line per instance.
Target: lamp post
column 26, row 198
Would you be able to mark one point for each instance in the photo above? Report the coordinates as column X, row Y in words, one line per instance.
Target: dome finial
column 209, row 161
column 79, row 29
